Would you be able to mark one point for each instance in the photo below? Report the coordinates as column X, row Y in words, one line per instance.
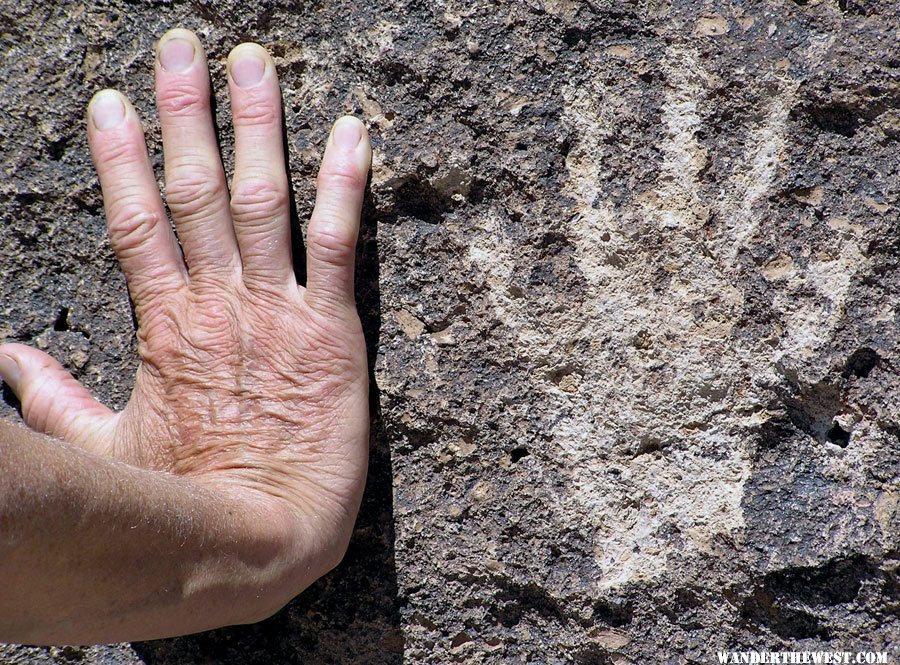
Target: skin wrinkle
column 195, row 195
column 254, row 110
column 311, row 498
column 340, row 176
column 324, row 337
column 133, row 226
column 183, row 100
column 254, row 201
column 193, row 161
column 257, row 195
column 193, row 362
column 120, row 153
column 332, row 246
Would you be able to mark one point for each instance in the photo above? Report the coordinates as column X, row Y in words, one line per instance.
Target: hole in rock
column 838, row 435
column 861, row 362
column 62, row 320
column 518, row 453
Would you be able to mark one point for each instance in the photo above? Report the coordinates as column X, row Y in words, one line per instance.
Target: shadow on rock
column 353, row 613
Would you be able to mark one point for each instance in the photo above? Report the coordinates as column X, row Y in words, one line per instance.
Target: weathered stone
column 629, row 274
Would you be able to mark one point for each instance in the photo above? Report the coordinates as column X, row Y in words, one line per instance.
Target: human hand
column 248, row 384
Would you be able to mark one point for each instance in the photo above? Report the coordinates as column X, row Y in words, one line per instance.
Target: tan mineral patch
column 443, row 337
column 778, row 267
column 611, row 639
column 810, row 195
column 409, row 324
column 746, row 22
column 372, row 109
column 712, row 25
column 620, row 51
column 839, row 223
column 877, row 206
column 886, row 507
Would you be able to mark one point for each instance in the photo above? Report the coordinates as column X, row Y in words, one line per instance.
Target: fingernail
column 176, row 55
column 9, row 370
column 247, row 69
column 107, row 111
column 347, row 133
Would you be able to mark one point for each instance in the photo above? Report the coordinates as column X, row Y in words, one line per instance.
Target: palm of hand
column 248, row 383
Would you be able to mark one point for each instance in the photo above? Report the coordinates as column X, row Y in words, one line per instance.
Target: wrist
column 274, row 552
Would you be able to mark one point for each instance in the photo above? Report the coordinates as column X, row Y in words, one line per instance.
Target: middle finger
column 196, row 189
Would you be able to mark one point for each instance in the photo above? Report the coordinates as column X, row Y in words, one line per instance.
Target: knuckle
column 194, row 193
column 334, row 302
column 217, row 314
column 121, row 153
column 258, row 200
column 257, row 110
column 340, row 176
column 182, row 99
column 131, row 224
column 331, row 242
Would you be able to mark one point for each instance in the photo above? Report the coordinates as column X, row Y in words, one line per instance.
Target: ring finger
column 259, row 192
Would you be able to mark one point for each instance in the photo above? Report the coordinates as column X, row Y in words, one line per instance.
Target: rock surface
column 629, row 275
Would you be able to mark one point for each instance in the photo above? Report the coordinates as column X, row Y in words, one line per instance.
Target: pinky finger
column 334, row 225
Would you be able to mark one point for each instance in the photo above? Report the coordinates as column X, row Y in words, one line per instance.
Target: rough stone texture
column 629, row 276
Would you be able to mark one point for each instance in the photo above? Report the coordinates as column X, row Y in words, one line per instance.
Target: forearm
column 92, row 550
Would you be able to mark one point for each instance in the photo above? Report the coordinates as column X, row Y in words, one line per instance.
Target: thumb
column 53, row 402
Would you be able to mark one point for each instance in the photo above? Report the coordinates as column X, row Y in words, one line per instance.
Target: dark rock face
column 629, row 273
